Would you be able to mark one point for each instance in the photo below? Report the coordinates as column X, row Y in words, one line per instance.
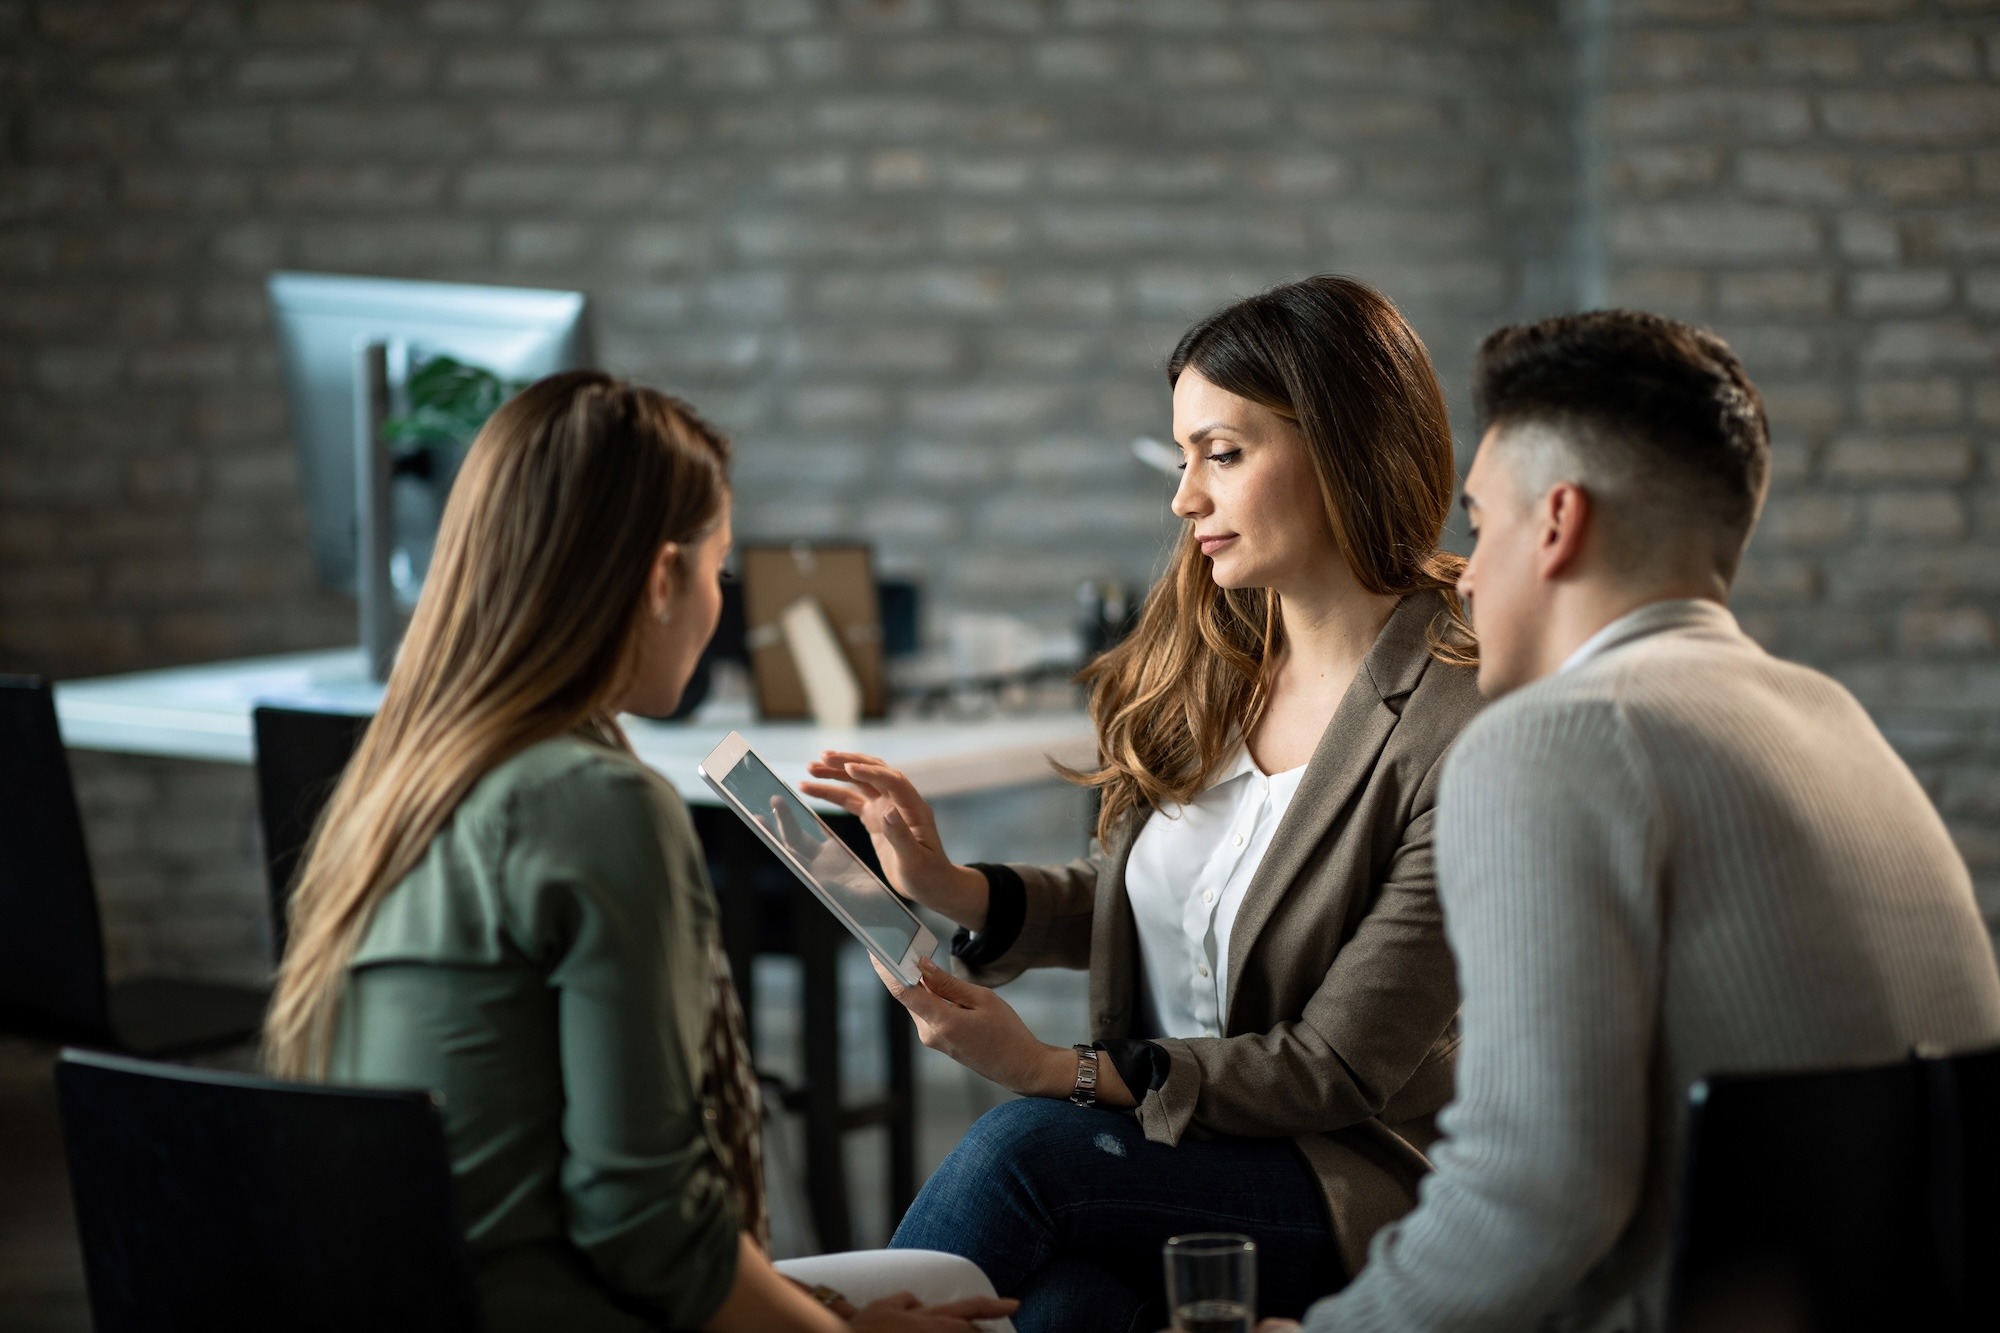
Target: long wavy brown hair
column 527, row 628
column 1337, row 359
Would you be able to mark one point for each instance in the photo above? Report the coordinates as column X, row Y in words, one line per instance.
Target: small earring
column 664, row 617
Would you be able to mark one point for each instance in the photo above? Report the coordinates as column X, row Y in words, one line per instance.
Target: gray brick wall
column 180, row 878
column 1820, row 181
column 924, row 258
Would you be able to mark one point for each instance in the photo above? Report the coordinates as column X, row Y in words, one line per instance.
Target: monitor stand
column 374, row 519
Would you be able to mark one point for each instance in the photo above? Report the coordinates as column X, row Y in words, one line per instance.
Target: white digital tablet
column 868, row 908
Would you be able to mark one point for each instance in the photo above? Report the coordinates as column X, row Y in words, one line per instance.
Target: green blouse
column 546, row 969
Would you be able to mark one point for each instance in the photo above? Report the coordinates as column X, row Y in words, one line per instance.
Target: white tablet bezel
column 716, row 767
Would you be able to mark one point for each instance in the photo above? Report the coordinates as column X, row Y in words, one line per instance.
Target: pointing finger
column 848, row 799
column 841, row 775
column 898, row 788
column 843, row 757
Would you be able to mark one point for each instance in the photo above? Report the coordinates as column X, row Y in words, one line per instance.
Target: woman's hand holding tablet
column 968, row 1022
column 981, row 1031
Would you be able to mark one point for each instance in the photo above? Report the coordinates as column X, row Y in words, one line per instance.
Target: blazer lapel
column 1340, row 766
column 1114, row 944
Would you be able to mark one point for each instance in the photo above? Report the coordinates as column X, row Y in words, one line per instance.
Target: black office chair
column 1854, row 1199
column 765, row 910
column 300, row 757
column 1971, row 1101
column 209, row 1201
column 52, row 977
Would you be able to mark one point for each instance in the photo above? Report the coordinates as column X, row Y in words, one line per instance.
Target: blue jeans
column 1067, row 1208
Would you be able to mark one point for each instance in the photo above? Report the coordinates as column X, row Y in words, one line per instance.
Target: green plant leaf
column 449, row 401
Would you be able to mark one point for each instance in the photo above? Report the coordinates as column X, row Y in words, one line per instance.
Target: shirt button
column 1209, row 896
column 1201, row 969
column 1237, row 840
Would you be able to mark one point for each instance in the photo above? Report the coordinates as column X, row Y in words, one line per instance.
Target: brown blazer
column 1342, row 1024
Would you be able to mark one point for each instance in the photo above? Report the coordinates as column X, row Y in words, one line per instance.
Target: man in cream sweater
column 1662, row 854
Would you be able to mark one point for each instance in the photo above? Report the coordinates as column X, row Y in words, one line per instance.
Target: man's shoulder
column 1589, row 719
column 1698, row 685
column 1557, row 741
column 1561, row 709
column 1693, row 691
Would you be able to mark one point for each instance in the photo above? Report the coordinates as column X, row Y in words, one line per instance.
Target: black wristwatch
column 1085, row 1091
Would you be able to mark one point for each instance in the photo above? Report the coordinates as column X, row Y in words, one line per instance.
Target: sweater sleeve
column 604, row 870
column 1548, row 851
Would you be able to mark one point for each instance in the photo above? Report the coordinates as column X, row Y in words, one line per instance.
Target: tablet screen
column 791, row 823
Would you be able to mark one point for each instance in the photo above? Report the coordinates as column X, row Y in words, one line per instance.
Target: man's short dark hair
column 1663, row 406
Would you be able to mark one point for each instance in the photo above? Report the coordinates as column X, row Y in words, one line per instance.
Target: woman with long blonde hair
column 503, row 904
column 1272, row 1000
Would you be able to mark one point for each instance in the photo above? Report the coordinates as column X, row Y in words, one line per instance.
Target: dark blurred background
column 924, row 259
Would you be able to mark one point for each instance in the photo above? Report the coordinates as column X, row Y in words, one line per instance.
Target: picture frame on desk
column 841, row 578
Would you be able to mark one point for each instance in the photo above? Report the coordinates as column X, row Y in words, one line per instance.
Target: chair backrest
column 300, row 757
column 51, row 943
column 209, row 1200
column 1974, row 1106
column 1844, row 1199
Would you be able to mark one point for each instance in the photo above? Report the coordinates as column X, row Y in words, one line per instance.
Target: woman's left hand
column 981, row 1031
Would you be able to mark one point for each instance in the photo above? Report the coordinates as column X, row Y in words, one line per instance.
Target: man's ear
column 664, row 580
column 1564, row 517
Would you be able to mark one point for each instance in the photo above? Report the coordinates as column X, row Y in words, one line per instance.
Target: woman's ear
column 664, row 580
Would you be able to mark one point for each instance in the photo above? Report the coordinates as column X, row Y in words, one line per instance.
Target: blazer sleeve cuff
column 1167, row 1110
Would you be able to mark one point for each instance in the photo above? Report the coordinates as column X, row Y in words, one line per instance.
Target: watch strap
column 1085, row 1091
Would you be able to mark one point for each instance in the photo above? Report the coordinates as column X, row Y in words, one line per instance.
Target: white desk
column 203, row 712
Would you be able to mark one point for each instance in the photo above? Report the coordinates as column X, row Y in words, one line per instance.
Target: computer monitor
column 517, row 333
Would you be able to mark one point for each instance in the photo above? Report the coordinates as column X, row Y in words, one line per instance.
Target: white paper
column 833, row 692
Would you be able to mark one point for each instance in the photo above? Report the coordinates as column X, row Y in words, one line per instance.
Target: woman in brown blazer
column 1271, row 996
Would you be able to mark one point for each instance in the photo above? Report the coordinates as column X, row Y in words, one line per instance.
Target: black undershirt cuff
column 1141, row 1064
column 1006, row 912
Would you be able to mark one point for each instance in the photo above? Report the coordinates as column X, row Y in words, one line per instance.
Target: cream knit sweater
column 1681, row 857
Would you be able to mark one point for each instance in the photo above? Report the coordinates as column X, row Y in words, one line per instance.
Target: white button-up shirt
column 1186, row 878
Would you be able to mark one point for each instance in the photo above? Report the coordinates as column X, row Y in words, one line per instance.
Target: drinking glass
column 1212, row 1282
